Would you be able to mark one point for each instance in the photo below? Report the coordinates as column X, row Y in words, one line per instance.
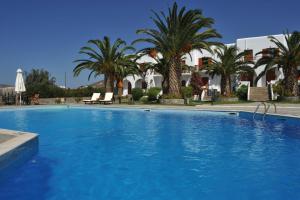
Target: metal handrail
column 257, row 107
column 267, row 107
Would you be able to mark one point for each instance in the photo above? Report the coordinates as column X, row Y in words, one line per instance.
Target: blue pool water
column 133, row 154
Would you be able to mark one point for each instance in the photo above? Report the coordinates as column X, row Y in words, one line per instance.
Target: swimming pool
column 89, row 153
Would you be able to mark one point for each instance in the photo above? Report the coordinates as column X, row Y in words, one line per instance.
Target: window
column 129, row 87
column 204, row 61
column 271, row 75
column 183, row 83
column 270, row 52
column 248, row 55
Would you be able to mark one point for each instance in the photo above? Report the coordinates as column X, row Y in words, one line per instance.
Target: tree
column 287, row 58
column 196, row 83
column 177, row 33
column 159, row 66
column 126, row 67
column 105, row 59
column 39, row 81
column 228, row 63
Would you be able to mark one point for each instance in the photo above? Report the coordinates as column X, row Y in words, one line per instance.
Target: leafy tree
column 288, row 58
column 39, row 81
column 228, row 63
column 104, row 58
column 176, row 34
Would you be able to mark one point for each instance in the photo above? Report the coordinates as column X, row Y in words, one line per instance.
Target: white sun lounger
column 94, row 98
column 108, row 98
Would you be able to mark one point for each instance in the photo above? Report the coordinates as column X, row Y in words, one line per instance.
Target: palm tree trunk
column 105, row 80
column 223, row 85
column 109, row 83
column 164, row 85
column 179, row 71
column 228, row 86
column 291, row 81
column 174, row 83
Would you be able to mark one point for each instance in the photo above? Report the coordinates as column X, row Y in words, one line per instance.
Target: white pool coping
column 18, row 140
column 214, row 108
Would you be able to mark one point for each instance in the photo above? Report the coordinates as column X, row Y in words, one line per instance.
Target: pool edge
column 17, row 150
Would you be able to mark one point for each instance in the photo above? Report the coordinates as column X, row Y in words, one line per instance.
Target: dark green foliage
column 187, row 92
column 242, row 92
column 152, row 93
column 137, row 93
column 111, row 59
column 39, row 81
column 196, row 83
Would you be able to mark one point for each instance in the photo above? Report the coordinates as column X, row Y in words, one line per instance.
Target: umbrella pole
column 20, row 98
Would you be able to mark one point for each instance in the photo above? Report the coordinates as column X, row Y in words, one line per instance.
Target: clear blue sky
column 48, row 33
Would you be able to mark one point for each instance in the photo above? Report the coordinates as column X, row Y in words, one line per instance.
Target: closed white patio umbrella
column 19, row 85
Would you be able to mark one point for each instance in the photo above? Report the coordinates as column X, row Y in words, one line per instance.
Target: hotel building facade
column 251, row 45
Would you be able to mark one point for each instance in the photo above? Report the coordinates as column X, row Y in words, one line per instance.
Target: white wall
column 257, row 44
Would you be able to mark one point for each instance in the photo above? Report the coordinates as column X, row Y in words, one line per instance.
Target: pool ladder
column 266, row 106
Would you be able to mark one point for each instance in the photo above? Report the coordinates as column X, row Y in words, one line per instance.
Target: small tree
column 39, row 81
column 196, row 83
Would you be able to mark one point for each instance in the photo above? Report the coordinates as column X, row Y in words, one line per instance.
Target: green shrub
column 137, row 93
column 144, row 99
column 278, row 88
column 242, row 92
column 153, row 93
column 187, row 92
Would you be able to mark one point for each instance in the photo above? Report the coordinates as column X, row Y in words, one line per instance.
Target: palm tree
column 126, row 67
column 177, row 33
column 288, row 58
column 105, row 59
column 228, row 63
column 159, row 66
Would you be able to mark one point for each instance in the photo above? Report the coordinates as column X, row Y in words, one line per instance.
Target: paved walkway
column 283, row 108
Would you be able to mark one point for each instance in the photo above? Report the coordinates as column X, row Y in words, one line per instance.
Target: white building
column 252, row 45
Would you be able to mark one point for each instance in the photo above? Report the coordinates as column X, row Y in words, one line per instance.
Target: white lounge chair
column 108, row 98
column 94, row 98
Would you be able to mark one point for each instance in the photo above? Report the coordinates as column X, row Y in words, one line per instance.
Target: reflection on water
column 20, row 118
column 132, row 154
